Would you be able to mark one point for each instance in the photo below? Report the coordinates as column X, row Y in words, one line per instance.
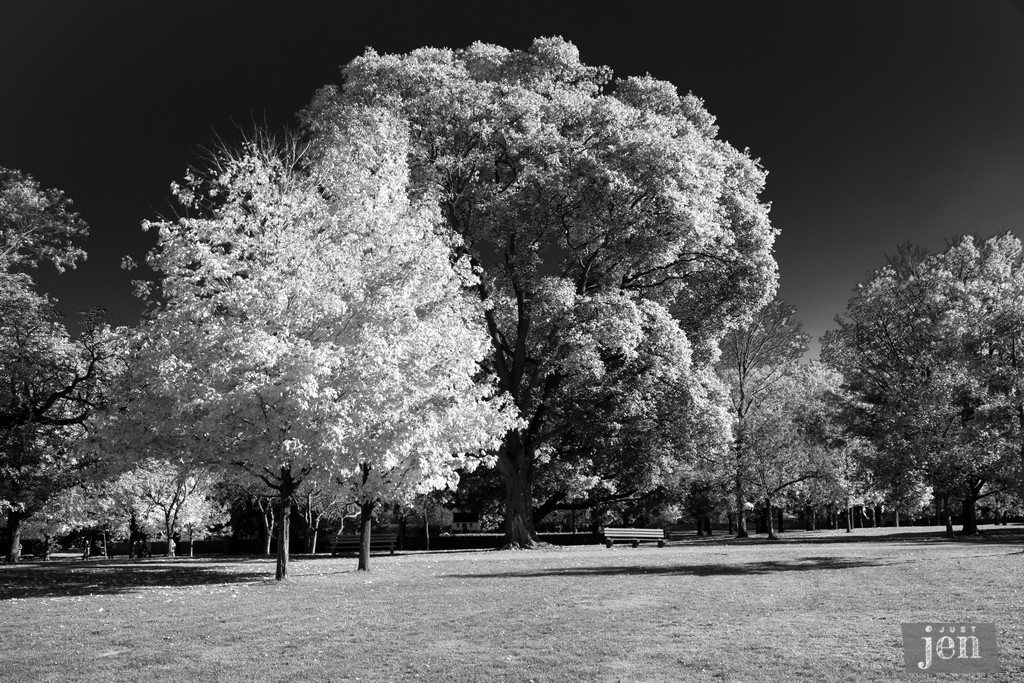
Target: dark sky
column 879, row 122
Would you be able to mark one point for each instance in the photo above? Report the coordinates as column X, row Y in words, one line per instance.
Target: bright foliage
column 581, row 203
column 309, row 320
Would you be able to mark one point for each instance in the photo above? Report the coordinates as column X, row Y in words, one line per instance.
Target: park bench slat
column 350, row 543
column 634, row 536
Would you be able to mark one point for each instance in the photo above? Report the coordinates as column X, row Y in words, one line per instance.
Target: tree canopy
column 309, row 321
column 930, row 345
column 51, row 382
column 576, row 199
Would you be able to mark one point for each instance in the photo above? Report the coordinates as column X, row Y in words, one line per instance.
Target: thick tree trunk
column 707, row 525
column 878, row 516
column 170, row 539
column 515, row 463
column 13, row 537
column 284, row 525
column 731, row 517
column 365, row 526
column 970, row 519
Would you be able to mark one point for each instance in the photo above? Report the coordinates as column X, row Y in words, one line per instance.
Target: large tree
column 51, row 381
column 931, row 346
column 580, row 201
column 308, row 321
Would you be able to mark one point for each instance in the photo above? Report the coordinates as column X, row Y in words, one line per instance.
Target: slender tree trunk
column 741, row 494
column 191, row 543
column 897, row 513
column 402, row 523
column 947, row 516
column 284, row 526
column 741, row 515
column 426, row 525
column 47, row 546
column 731, row 518
column 878, row 516
column 849, row 519
column 365, row 526
column 768, row 520
column 515, row 462
column 267, row 522
column 14, row 519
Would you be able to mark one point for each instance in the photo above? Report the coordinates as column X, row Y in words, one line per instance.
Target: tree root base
column 530, row 545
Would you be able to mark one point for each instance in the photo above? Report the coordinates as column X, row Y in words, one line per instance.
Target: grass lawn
column 815, row 606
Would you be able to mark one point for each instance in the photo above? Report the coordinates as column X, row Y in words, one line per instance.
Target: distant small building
column 465, row 522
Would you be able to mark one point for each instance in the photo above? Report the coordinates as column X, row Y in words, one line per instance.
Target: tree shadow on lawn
column 998, row 536
column 107, row 577
column 706, row 569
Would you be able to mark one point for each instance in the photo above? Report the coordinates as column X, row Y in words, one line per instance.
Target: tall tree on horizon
column 582, row 203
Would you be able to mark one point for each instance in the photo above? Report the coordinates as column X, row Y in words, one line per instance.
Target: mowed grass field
column 815, row 606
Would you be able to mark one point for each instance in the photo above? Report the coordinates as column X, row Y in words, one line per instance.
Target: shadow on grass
column 705, row 569
column 39, row 580
column 999, row 536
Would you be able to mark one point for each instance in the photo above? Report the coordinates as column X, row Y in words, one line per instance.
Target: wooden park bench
column 349, row 543
column 633, row 536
